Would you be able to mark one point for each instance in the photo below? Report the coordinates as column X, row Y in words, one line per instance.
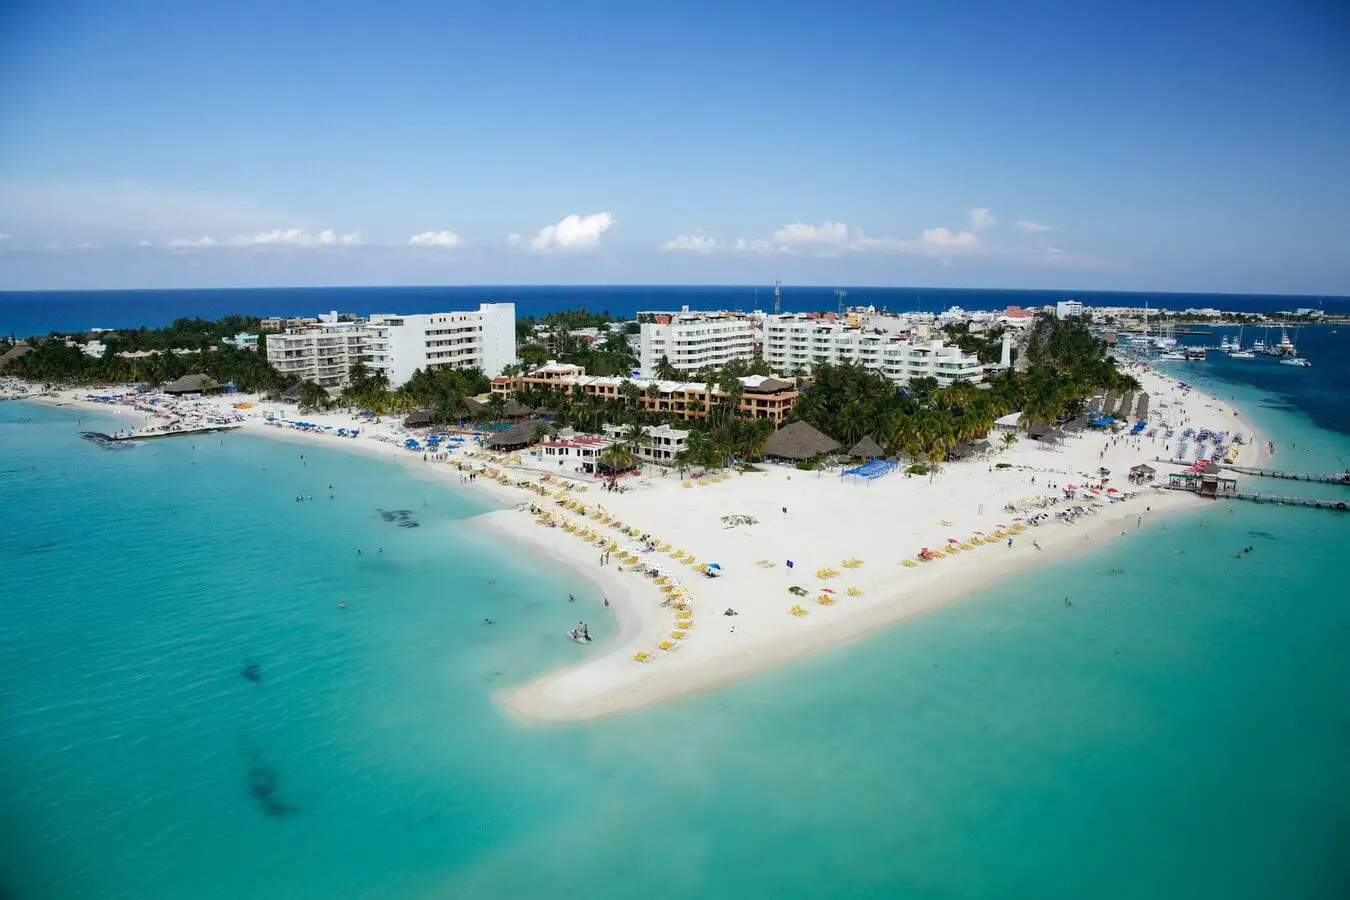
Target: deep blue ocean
column 1180, row 732
column 25, row 313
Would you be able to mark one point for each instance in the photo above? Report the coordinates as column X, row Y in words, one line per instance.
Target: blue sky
column 1158, row 146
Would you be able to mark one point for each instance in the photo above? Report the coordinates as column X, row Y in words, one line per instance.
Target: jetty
column 1257, row 497
column 1333, row 478
column 147, row 434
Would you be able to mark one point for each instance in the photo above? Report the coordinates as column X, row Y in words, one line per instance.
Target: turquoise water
column 1180, row 731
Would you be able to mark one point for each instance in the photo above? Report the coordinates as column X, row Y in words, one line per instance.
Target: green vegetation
column 52, row 362
column 987, row 345
column 442, row 393
column 1065, row 364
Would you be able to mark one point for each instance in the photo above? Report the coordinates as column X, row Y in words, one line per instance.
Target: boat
column 1285, row 347
column 1172, row 354
column 1295, row 361
column 1241, row 354
column 1195, row 354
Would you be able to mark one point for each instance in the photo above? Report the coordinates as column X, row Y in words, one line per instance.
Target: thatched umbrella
column 799, row 441
column 867, row 449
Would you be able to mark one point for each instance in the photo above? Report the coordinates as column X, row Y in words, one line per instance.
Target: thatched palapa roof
column 15, row 352
column 799, row 441
column 514, row 409
column 1141, row 406
column 521, row 435
column 418, row 418
column 867, row 449
column 769, row 386
column 292, row 392
column 190, row 384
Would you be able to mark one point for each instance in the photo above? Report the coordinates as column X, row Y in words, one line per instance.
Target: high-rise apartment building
column 796, row 342
column 322, row 353
column 692, row 340
column 485, row 339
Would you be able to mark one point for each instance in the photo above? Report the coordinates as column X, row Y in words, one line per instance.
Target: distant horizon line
column 651, row 285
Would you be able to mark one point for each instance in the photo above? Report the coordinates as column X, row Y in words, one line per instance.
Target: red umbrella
column 980, row 533
column 1112, row 491
column 953, row 541
column 827, row 590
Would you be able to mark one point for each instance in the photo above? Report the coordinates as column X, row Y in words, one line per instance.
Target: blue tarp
column 873, row 468
column 1102, row 422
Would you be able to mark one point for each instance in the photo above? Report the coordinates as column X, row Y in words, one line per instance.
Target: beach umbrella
column 827, row 590
column 714, row 566
column 952, row 541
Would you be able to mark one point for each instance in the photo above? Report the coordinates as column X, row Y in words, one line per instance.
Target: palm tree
column 539, row 433
column 617, row 458
column 1008, row 439
column 666, row 371
column 312, row 396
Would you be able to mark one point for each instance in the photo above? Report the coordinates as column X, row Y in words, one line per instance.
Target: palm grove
column 1064, row 364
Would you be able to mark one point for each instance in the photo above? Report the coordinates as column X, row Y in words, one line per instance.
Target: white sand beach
column 854, row 543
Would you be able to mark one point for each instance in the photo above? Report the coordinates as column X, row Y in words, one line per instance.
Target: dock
column 1334, row 478
column 168, row 433
column 1257, row 497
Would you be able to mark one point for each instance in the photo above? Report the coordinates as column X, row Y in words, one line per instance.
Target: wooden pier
column 1334, row 478
column 1256, row 497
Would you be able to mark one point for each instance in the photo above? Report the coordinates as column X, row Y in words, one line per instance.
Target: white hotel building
column 692, row 340
column 796, row 342
column 323, row 353
column 400, row 345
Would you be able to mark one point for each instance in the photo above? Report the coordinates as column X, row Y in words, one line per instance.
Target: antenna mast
column 841, row 294
column 777, row 297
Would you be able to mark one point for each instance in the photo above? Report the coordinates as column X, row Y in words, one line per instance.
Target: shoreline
column 830, row 521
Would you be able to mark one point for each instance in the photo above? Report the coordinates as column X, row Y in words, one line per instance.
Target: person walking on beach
column 1009, row 543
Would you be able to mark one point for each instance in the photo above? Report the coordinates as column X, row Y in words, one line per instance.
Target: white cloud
column 204, row 241
column 4, row 237
column 297, row 237
column 145, row 243
column 127, row 210
column 981, row 218
column 572, row 233
column 87, row 245
column 513, row 239
column 1028, row 225
column 698, row 242
column 436, row 239
column 941, row 237
column 801, row 233
column 761, row 246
